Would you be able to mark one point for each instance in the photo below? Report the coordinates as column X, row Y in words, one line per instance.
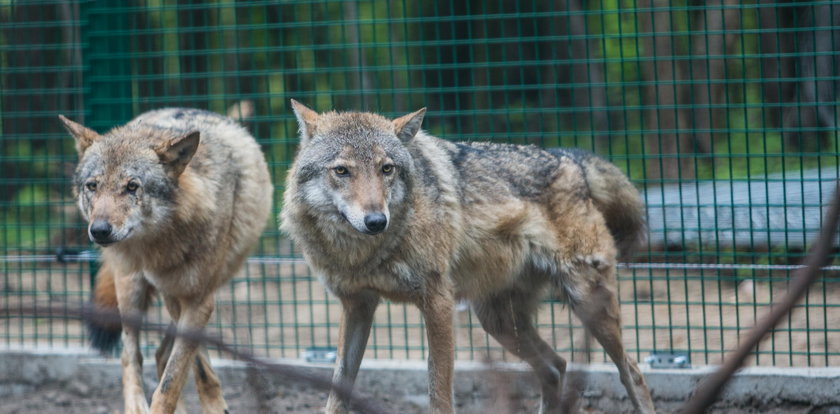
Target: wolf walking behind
column 383, row 210
column 176, row 198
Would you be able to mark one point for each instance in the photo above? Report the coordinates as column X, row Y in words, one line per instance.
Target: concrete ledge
column 404, row 382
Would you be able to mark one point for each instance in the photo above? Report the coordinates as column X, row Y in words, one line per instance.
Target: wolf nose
column 100, row 231
column 375, row 222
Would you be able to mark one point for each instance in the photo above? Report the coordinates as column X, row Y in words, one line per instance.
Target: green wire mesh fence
column 724, row 113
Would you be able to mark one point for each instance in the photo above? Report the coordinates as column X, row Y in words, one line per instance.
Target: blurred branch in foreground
column 710, row 388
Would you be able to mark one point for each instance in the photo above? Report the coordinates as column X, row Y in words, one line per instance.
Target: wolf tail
column 104, row 336
column 619, row 202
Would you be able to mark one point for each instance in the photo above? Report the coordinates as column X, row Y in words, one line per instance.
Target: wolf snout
column 376, row 222
column 100, row 231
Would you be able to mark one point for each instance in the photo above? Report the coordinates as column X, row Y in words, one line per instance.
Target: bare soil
column 252, row 396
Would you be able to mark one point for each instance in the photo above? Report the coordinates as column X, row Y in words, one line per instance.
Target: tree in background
column 800, row 69
column 676, row 88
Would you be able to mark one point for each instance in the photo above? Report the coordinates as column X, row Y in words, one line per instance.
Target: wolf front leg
column 133, row 293
column 438, row 307
column 353, row 334
column 194, row 317
column 208, row 385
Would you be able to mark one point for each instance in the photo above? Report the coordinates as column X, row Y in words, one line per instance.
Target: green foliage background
column 552, row 73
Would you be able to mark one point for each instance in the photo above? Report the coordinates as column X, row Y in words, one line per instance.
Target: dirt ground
column 289, row 398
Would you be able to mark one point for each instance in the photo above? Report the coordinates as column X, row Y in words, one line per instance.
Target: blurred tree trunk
column 72, row 55
column 396, row 56
column 34, row 83
column 708, row 66
column 777, row 64
column 243, row 83
column 661, row 95
column 799, row 69
column 590, row 102
column 193, row 24
column 455, row 72
column 359, row 80
column 149, row 67
column 31, row 73
column 274, row 17
column 813, row 107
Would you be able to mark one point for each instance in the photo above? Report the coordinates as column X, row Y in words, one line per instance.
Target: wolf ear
column 406, row 126
column 83, row 135
column 307, row 119
column 176, row 153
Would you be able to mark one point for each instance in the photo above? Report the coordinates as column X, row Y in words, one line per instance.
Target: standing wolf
column 382, row 209
column 177, row 198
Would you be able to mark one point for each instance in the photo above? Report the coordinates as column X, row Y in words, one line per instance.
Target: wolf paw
column 180, row 408
column 216, row 408
column 136, row 405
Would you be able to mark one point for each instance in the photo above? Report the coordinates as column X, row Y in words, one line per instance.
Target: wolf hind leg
column 507, row 317
column 161, row 356
column 165, row 349
column 208, row 385
column 206, row 382
column 192, row 316
column 594, row 301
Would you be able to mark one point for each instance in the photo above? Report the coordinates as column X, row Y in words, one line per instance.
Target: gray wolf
column 381, row 209
column 176, row 198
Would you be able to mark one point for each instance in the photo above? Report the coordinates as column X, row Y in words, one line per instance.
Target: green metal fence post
column 107, row 63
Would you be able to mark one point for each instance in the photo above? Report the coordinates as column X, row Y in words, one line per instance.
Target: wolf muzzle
column 376, row 223
column 100, row 232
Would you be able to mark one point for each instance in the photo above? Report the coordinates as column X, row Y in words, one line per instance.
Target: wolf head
column 355, row 165
column 126, row 179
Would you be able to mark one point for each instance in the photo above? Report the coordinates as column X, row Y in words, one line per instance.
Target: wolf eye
column 91, row 186
column 341, row 171
column 387, row 169
column 131, row 187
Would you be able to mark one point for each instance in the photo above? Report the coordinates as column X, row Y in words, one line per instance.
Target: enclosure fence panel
column 722, row 113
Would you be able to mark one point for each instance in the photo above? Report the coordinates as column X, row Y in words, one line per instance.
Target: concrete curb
column 22, row 369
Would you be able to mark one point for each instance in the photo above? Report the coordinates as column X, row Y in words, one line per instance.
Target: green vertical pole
column 107, row 62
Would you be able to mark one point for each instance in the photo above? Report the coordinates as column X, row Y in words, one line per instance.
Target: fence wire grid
column 723, row 114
